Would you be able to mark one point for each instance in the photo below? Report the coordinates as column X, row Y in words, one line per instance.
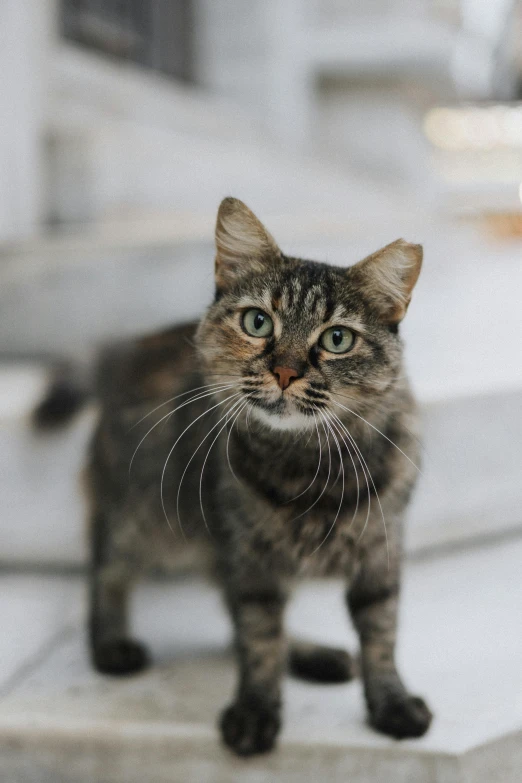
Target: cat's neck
column 337, row 425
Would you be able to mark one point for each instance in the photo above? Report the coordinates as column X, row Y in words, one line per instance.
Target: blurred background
column 343, row 125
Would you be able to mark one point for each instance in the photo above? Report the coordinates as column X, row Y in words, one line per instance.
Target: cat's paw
column 401, row 715
column 120, row 657
column 250, row 728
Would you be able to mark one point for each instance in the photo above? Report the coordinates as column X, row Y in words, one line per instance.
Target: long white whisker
column 378, row 500
column 232, row 396
column 194, row 454
column 380, row 433
column 309, row 438
column 201, row 396
column 383, row 409
column 338, row 474
column 327, row 478
column 342, row 491
column 247, row 419
column 310, row 485
column 364, row 468
column 356, row 472
column 241, row 409
column 228, row 439
column 207, row 386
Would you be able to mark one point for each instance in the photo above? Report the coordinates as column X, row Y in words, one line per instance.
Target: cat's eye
column 337, row 339
column 256, row 323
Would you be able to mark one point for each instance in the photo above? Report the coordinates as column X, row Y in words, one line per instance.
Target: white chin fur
column 293, row 421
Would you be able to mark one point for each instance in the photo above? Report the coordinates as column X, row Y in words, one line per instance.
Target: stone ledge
column 63, row 722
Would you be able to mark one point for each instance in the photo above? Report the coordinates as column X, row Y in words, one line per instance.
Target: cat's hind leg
column 112, row 649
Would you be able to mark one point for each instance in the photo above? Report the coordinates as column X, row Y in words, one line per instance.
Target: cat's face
column 298, row 337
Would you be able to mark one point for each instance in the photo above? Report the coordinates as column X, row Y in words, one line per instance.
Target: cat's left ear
column 243, row 245
column 388, row 278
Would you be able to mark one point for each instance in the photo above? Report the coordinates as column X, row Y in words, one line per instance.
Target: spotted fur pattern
column 263, row 486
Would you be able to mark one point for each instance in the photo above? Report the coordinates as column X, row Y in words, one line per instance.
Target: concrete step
column 460, row 646
column 122, row 140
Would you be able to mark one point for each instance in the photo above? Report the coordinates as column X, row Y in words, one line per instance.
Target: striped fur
column 284, row 490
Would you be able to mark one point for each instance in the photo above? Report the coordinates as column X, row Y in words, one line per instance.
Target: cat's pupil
column 259, row 320
column 337, row 337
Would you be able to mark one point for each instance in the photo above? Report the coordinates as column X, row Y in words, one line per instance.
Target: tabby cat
column 273, row 441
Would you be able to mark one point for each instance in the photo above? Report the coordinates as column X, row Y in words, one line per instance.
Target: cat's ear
column 388, row 278
column 243, row 244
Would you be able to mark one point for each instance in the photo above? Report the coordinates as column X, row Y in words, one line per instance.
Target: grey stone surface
column 460, row 646
column 35, row 612
column 470, row 485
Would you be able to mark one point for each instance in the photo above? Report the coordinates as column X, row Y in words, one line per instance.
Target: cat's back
column 145, row 390
column 153, row 367
column 138, row 386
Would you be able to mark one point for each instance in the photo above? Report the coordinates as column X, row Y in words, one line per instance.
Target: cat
column 274, row 440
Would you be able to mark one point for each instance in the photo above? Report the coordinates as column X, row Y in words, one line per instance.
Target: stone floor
column 461, row 647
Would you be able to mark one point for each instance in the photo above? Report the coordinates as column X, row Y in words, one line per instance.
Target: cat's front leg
column 373, row 601
column 251, row 723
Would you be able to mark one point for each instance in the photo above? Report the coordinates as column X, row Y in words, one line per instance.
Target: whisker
column 363, row 465
column 376, row 495
column 183, row 394
column 223, row 373
column 241, row 408
column 318, row 464
column 247, row 420
column 356, row 472
column 228, row 440
column 232, row 405
column 327, row 478
column 201, row 396
column 380, row 433
column 232, row 396
column 384, row 411
column 309, row 438
column 342, row 491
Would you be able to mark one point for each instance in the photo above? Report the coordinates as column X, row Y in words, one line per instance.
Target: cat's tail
column 318, row 663
column 68, row 392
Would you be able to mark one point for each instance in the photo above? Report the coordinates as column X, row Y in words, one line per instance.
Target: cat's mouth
column 284, row 411
column 268, row 399
column 282, row 414
column 284, row 406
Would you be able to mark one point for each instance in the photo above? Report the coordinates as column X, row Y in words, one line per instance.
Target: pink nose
column 285, row 376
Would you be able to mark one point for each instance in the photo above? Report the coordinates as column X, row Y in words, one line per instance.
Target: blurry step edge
column 469, row 491
column 183, row 148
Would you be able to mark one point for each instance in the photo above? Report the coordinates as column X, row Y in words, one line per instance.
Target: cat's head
column 293, row 336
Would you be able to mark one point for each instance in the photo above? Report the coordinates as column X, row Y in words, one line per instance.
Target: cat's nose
column 285, row 376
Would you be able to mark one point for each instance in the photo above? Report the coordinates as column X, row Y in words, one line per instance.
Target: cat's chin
column 289, row 420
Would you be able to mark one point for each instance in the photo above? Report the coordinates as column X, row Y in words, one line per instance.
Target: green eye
column 337, row 339
column 257, row 323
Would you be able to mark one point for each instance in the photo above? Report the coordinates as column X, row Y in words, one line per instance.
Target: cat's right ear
column 243, row 245
column 388, row 277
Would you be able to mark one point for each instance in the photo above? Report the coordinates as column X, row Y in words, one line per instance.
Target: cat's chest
column 316, row 544
column 323, row 542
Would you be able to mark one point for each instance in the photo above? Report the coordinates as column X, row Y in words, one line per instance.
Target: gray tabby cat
column 274, row 441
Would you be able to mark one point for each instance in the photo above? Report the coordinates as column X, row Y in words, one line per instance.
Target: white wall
column 26, row 30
